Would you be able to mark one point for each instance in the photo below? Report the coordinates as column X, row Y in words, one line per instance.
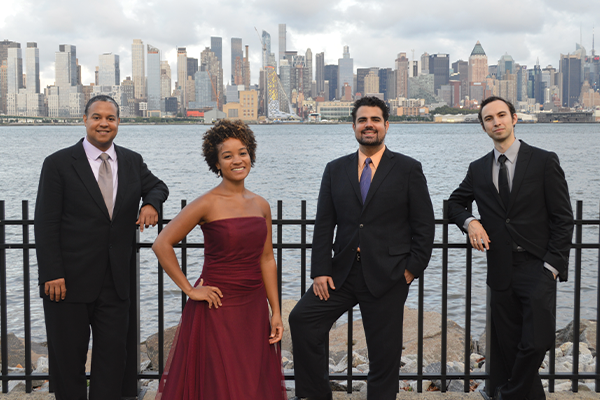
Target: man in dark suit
column 379, row 203
column 526, row 227
column 85, row 219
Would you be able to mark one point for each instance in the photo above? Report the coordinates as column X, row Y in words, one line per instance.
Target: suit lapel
column 384, row 167
column 489, row 162
column 520, row 169
column 83, row 169
column 122, row 179
column 352, row 172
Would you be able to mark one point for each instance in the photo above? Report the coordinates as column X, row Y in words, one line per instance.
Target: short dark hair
column 371, row 101
column 487, row 101
column 101, row 97
column 220, row 132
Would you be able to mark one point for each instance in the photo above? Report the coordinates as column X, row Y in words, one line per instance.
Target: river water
column 290, row 162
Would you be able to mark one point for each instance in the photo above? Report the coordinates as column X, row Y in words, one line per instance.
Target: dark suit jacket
column 395, row 227
column 539, row 216
column 75, row 238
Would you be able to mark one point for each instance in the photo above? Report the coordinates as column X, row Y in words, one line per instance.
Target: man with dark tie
column 85, row 221
column 525, row 227
column 377, row 203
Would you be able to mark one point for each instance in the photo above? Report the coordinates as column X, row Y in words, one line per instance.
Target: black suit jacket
column 75, row 237
column 395, row 227
column 539, row 216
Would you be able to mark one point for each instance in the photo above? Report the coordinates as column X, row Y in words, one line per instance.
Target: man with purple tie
column 377, row 203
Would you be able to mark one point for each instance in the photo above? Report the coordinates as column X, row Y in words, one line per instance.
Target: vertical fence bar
column 183, row 260
column 350, row 358
column 420, row 316
column 468, row 284
column 279, row 247
column 303, row 249
column 598, row 316
column 3, row 308
column 552, row 358
column 444, row 347
column 131, row 384
column 577, row 290
column 161, row 305
column 26, row 296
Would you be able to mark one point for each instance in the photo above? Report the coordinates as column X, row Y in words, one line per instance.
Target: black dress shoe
column 485, row 395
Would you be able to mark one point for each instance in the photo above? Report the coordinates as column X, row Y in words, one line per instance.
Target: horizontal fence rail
column 133, row 375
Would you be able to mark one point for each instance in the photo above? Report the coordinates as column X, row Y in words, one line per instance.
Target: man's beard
column 377, row 141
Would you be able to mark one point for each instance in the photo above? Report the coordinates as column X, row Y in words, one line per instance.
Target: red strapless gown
column 224, row 353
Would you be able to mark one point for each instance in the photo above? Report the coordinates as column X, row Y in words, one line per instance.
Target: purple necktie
column 365, row 180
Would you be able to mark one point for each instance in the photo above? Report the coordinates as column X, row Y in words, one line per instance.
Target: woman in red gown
column 225, row 348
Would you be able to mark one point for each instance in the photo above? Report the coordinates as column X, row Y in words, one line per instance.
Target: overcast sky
column 375, row 31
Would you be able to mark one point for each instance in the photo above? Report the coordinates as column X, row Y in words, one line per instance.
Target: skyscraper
column 402, row 65
column 154, row 79
column 345, row 72
column 309, row 64
column 210, row 63
column 109, row 73
column 425, row 63
column 14, row 68
column 192, row 67
column 33, row 67
column 282, row 41
column 216, row 46
column 439, row 67
column 462, row 69
column 320, row 73
column 165, row 79
column 182, row 75
column 570, row 69
column 3, row 73
column 246, row 70
column 506, row 64
column 237, row 58
column 266, row 41
column 138, row 69
column 66, row 78
column 331, row 76
column 478, row 64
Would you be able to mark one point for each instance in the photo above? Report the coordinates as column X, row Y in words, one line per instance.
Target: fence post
column 26, row 296
column 3, row 307
column 577, row 293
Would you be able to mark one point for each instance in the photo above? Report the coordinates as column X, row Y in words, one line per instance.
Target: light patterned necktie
column 105, row 181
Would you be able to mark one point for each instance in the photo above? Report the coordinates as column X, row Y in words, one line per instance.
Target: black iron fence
column 131, row 385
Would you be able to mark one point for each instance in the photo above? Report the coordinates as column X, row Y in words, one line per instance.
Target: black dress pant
column 312, row 318
column 68, row 332
column 523, row 322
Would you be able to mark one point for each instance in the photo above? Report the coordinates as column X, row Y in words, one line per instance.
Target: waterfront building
column 345, row 72
column 32, row 56
column 331, row 76
column 282, row 41
column 4, row 45
column 334, row 109
column 439, row 67
column 165, row 79
column 120, row 93
column 154, row 79
column 478, row 64
column 66, row 79
column 216, row 46
column 205, row 97
column 182, row 77
column 246, row 108
column 138, row 72
column 14, row 66
column 320, row 74
column 570, row 70
column 401, row 75
column 109, row 72
column 237, row 58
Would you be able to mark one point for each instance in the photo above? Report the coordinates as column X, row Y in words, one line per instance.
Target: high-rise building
column 4, row 74
column 372, row 82
column 266, row 51
column 439, row 67
column 32, row 56
column 182, row 75
column 506, row 64
column 309, row 65
column 402, row 66
column 360, row 80
column 138, row 69
column 66, row 79
column 154, row 79
column 246, row 70
column 204, row 89
column 14, row 63
column 109, row 72
column 570, row 69
column 320, row 73
column 331, row 76
column 478, row 64
column 237, row 58
column 192, row 67
column 165, row 79
column 282, row 41
column 210, row 63
column 216, row 46
column 461, row 68
column 345, row 72
column 285, row 77
column 386, row 83
column 425, row 63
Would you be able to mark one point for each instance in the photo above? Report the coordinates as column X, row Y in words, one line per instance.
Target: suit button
column 360, row 226
column 508, row 220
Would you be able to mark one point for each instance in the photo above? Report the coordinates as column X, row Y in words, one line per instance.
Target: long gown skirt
column 224, row 353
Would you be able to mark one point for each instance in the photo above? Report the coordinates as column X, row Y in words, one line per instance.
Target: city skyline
column 527, row 31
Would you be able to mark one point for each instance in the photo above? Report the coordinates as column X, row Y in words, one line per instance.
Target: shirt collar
column 375, row 158
column 92, row 152
column 511, row 153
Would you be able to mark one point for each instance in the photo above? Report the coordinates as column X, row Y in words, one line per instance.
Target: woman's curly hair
column 223, row 130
